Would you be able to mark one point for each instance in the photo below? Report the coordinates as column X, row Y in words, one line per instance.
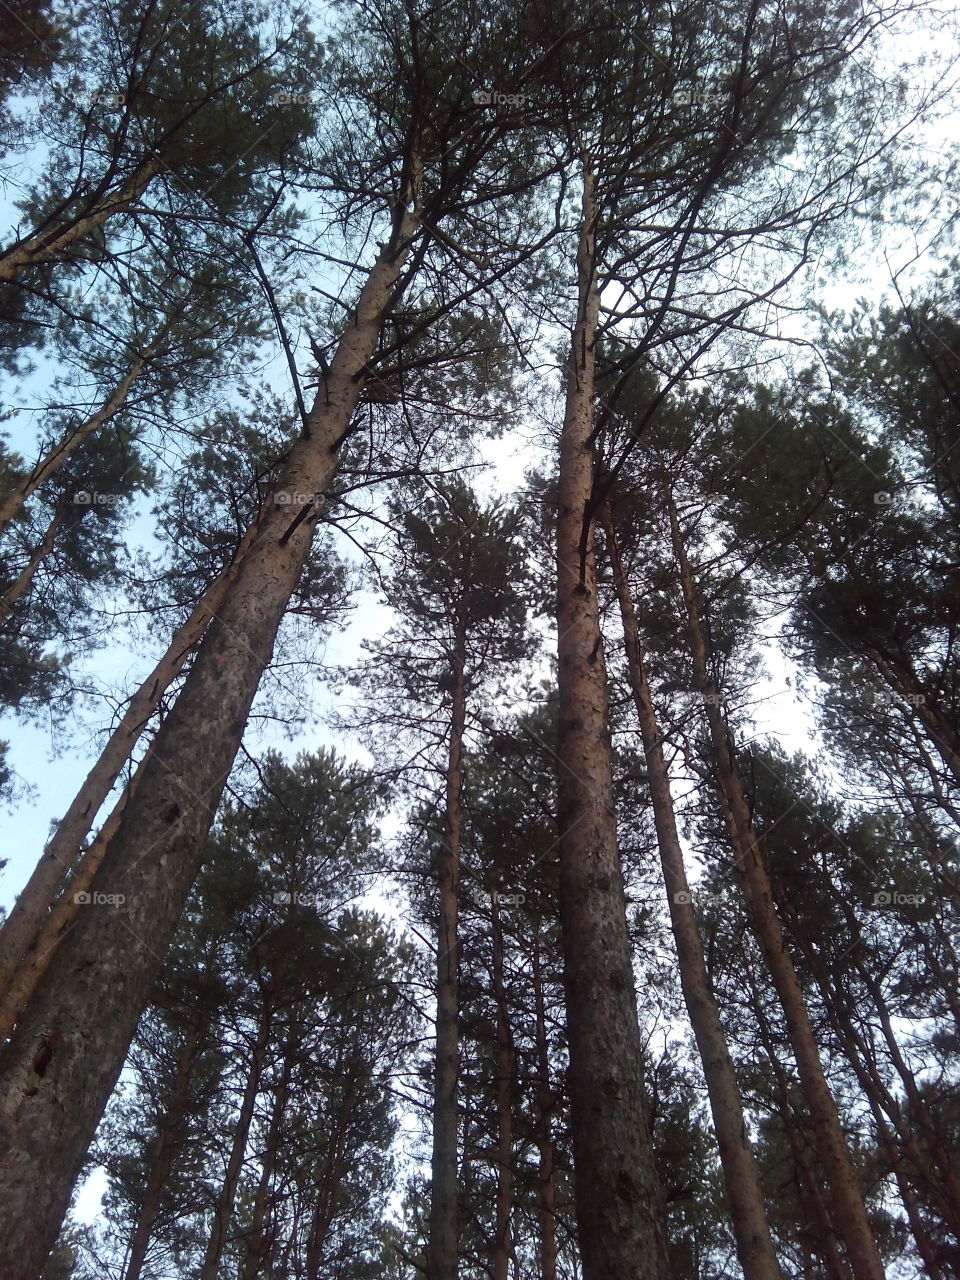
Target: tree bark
column 58, row 1069
column 37, row 557
column 741, row 1179
column 20, row 928
column 851, row 1214
column 54, row 458
column 62, row 915
column 620, row 1218
column 444, row 1227
column 256, row 1243
column 47, row 243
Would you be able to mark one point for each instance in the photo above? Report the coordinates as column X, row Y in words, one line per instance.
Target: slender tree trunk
column 48, row 242
column 851, row 1214
column 58, row 1069
column 256, row 1243
column 223, row 1209
column 741, row 1179
column 505, row 1057
column 901, row 677
column 20, row 928
column 546, row 1188
column 164, row 1148
column 620, row 1217
column 39, row 554
column 62, row 915
column 444, row 1228
column 68, row 444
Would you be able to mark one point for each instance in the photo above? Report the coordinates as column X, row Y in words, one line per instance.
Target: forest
column 479, row 640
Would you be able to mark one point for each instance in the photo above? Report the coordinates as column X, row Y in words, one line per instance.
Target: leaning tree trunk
column 851, row 1214
column 444, row 1231
column 64, row 912
column 63, row 1060
column 620, row 1219
column 24, row 579
column 256, row 1242
column 50, row 241
column 741, row 1178
column 55, row 457
column 20, row 929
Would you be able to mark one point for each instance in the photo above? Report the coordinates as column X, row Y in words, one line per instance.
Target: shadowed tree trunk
column 444, row 1228
column 741, row 1180
column 619, row 1203
column 547, row 1195
column 850, row 1210
column 505, row 1060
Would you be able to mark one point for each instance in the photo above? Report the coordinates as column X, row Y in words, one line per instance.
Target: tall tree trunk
column 444, row 1227
column 62, row 915
column 741, row 1180
column 256, row 1243
column 223, row 1210
column 164, row 1148
column 505, row 1057
column 546, row 1188
column 55, row 457
column 40, row 552
column 851, row 1214
column 20, row 928
column 59, row 1067
column 49, row 241
column 620, row 1219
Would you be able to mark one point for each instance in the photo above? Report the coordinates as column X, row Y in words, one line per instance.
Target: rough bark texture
column 27, row 573
column 851, row 1214
column 618, row 1199
column 57, row 1071
column 444, row 1228
column 58, row 455
column 48, row 242
column 20, row 929
column 741, row 1179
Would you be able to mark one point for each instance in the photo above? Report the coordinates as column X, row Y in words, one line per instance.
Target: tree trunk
column 620, row 1216
column 256, row 1243
column 46, row 243
column 20, row 928
column 58, row 1069
column 37, row 960
column 502, row 1241
column 39, row 554
column 851, row 1214
column 58, row 455
column 444, row 1228
column 547, row 1192
column 169, row 1133
column 223, row 1209
column 741, row 1180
